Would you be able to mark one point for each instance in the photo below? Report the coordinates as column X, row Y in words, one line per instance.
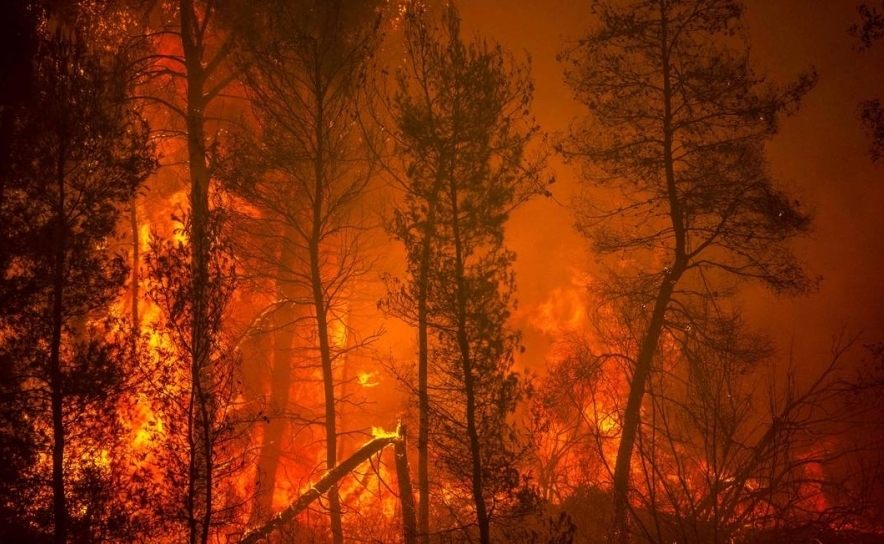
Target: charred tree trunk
column 406, row 495
column 136, row 261
column 321, row 307
column 423, row 440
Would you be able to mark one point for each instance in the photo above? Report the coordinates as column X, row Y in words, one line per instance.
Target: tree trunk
column 200, row 375
column 468, row 379
column 406, row 495
column 632, row 414
column 320, row 305
column 423, row 440
column 280, row 387
column 645, row 359
column 136, row 262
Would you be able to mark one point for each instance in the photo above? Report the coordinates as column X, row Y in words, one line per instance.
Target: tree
column 187, row 72
column 726, row 452
column 462, row 129
column 78, row 154
column 306, row 171
column 18, row 443
column 872, row 111
column 178, row 403
column 678, row 120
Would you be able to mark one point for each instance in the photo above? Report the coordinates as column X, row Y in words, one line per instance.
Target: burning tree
column 678, row 121
column 305, row 173
column 462, row 128
column 187, row 72
column 78, row 153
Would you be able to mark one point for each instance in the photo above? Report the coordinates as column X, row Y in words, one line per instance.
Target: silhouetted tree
column 306, row 170
column 177, row 400
column 18, row 443
column 872, row 111
column 462, row 130
column 187, row 72
column 678, row 120
column 78, row 154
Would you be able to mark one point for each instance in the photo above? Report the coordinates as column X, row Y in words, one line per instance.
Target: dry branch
column 331, row 478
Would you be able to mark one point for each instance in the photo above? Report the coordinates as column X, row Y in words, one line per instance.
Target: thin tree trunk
column 136, row 263
column 406, row 495
column 201, row 376
column 423, row 440
column 469, row 380
column 632, row 413
column 328, row 381
column 321, row 308
column 644, row 361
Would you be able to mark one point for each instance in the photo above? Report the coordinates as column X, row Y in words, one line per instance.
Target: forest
column 259, row 281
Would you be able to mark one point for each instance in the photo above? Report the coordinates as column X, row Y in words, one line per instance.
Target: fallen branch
column 335, row 474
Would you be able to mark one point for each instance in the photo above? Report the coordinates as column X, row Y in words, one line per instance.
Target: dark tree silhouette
column 78, row 153
column 306, row 169
column 678, row 120
column 189, row 43
column 462, row 129
column 871, row 111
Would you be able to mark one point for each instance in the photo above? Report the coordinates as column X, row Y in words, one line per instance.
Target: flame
column 564, row 309
column 606, row 423
column 367, row 379
column 338, row 332
column 379, row 432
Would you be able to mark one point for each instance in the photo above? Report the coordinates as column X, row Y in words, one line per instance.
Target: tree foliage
column 677, row 122
column 871, row 111
column 78, row 153
column 462, row 129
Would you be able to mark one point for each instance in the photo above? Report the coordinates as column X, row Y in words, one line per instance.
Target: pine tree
column 306, row 168
column 462, row 128
column 678, row 120
column 79, row 154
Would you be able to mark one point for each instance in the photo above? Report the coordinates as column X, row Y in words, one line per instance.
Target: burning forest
column 429, row 272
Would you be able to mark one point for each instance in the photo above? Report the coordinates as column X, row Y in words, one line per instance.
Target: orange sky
column 820, row 154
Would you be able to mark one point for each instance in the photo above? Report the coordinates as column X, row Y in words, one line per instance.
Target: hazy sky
column 820, row 154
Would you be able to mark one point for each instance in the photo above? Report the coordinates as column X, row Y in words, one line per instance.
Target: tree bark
column 201, row 377
column 320, row 305
column 423, row 440
column 406, row 495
